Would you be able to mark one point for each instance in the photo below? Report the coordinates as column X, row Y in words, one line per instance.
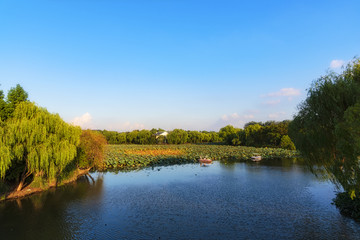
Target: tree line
column 177, row 136
column 38, row 146
column 255, row 134
column 259, row 134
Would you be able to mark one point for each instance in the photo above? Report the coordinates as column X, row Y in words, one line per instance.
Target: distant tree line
column 177, row 136
column 258, row 134
column 255, row 134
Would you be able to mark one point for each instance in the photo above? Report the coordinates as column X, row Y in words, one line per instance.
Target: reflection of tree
column 228, row 165
column 46, row 215
column 286, row 164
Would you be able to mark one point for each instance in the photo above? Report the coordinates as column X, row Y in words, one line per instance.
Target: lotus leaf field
column 127, row 157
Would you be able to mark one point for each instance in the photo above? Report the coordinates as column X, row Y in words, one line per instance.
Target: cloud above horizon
column 235, row 119
column 84, row 121
column 276, row 115
column 336, row 63
column 272, row 102
column 285, row 92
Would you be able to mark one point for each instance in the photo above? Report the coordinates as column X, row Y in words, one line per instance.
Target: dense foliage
column 255, row 134
column 15, row 95
column 39, row 143
column 230, row 135
column 177, row 136
column 91, row 149
column 327, row 127
column 137, row 156
column 258, row 134
column 7, row 106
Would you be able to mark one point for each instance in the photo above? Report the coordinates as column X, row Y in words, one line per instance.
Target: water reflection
column 273, row 199
column 228, row 165
column 44, row 215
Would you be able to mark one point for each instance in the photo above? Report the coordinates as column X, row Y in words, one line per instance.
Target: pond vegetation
column 138, row 156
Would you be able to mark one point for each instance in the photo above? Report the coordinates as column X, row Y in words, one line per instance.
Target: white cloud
column 272, row 102
column 336, row 63
column 277, row 115
column 235, row 115
column 234, row 119
column 285, row 92
column 224, row 117
column 239, row 120
column 248, row 116
column 84, row 121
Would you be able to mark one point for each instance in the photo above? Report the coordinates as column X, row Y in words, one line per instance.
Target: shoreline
column 28, row 190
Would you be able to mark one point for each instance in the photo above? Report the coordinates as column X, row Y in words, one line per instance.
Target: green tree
column 143, row 137
column 257, row 123
column 252, row 134
column 326, row 128
column 3, row 113
column 272, row 133
column 15, row 96
column 111, row 136
column 229, row 133
column 40, row 143
column 195, row 137
column 5, row 154
column 131, row 136
column 177, row 136
column 286, row 143
column 206, row 136
column 121, row 138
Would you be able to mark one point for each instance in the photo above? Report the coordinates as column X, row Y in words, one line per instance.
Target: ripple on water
column 235, row 201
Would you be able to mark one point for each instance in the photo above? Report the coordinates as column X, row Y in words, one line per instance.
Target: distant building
column 164, row 134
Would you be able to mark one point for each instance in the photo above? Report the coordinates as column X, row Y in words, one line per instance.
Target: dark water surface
column 276, row 199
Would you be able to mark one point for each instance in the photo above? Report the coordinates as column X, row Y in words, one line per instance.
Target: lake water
column 277, row 199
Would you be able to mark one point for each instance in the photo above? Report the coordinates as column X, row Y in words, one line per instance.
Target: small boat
column 205, row 161
column 256, row 158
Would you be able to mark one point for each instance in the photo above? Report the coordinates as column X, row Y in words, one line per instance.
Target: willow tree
column 5, row 155
column 326, row 129
column 229, row 133
column 38, row 141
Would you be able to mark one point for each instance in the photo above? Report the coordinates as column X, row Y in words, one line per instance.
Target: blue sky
column 198, row 65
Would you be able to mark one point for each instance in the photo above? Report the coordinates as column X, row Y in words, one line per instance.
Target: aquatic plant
column 137, row 156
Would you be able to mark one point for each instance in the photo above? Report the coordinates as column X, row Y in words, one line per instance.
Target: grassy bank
column 38, row 185
column 138, row 156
